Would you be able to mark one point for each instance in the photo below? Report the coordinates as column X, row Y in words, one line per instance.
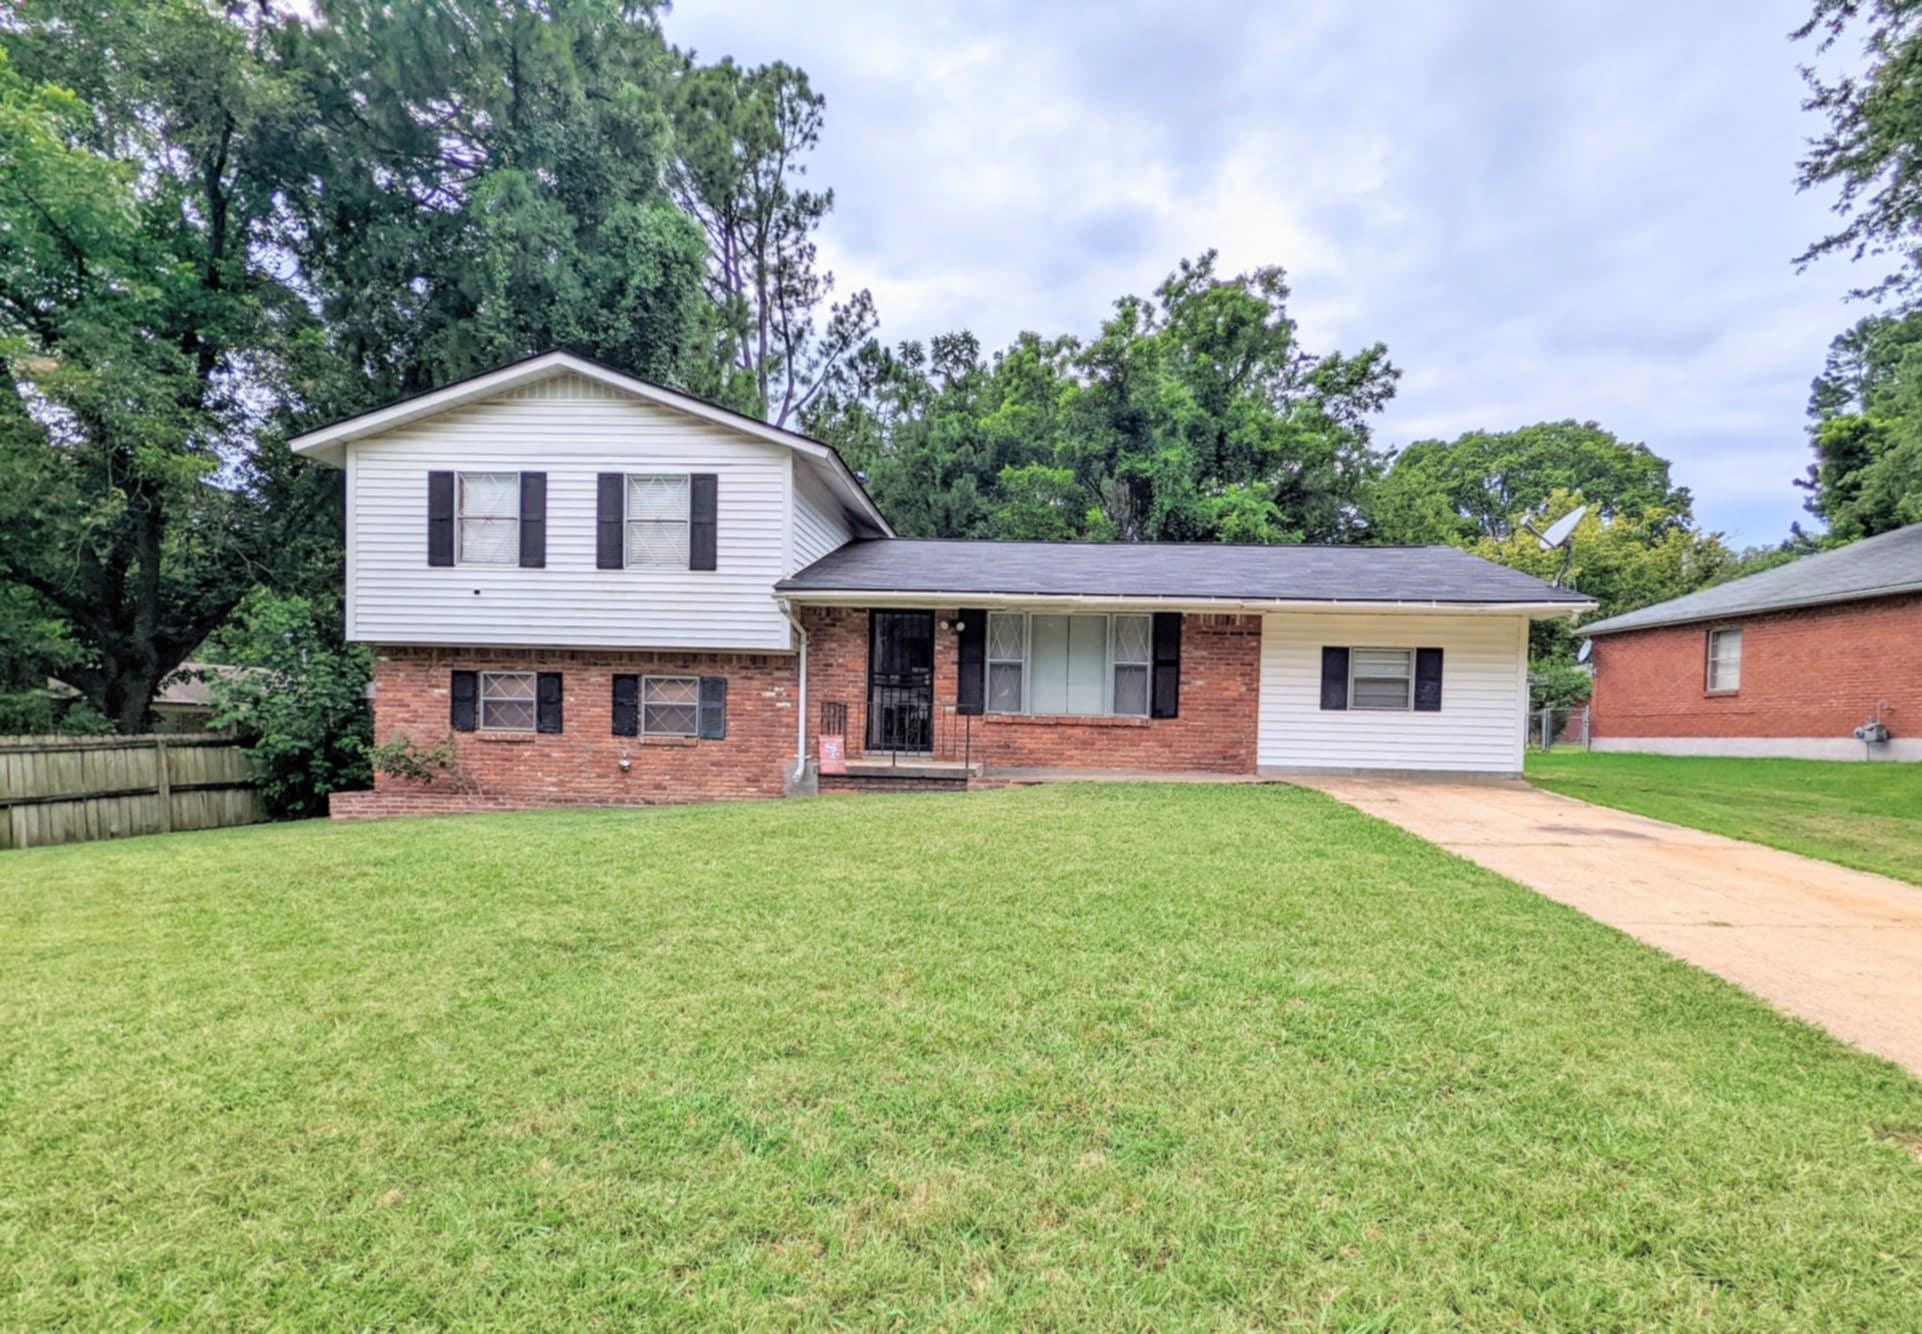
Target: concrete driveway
column 1837, row 947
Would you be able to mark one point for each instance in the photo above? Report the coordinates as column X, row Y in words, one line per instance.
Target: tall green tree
column 1870, row 152
column 142, row 325
column 1865, row 412
column 489, row 182
column 775, row 335
column 1475, row 486
column 1194, row 415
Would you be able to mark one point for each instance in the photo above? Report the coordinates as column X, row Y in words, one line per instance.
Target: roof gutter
column 1734, row 613
column 853, row 597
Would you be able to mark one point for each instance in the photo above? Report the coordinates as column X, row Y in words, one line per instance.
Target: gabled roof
column 1410, row 578
column 1874, row 567
column 327, row 442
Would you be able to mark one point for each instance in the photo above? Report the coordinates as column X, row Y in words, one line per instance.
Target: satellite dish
column 1560, row 531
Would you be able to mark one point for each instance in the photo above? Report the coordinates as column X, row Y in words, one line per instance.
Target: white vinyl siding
column 820, row 524
column 1724, row 660
column 571, row 429
column 1484, row 695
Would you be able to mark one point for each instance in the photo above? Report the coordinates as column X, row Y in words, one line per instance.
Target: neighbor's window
column 489, row 509
column 1724, row 659
column 507, row 701
column 657, row 514
column 1381, row 678
column 670, row 705
column 1057, row 664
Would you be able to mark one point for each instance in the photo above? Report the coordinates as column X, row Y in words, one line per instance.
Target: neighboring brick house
column 581, row 588
column 1818, row 659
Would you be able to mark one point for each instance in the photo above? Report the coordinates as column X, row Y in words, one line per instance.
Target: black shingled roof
column 1438, row 575
column 1874, row 567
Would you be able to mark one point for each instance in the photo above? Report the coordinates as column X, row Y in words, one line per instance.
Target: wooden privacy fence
column 65, row 789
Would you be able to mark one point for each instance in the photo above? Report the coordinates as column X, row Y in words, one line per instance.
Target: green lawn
column 1868, row 816
column 1104, row 1055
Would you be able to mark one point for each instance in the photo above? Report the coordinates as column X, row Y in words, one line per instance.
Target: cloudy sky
column 1546, row 210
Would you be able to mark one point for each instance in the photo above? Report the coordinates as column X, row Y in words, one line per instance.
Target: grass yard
column 1110, row 1055
column 1868, row 816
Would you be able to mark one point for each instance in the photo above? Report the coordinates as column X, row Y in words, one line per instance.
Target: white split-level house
column 604, row 591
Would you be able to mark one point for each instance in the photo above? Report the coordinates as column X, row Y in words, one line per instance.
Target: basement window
column 507, row 701
column 1725, row 660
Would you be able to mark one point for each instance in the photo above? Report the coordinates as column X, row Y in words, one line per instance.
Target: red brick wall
column 1817, row 672
column 580, row 765
column 1215, row 732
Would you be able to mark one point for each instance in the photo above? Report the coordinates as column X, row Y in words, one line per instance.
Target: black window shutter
column 440, row 518
column 462, row 696
column 533, row 520
column 627, row 705
column 713, row 724
column 971, row 681
column 1166, row 699
column 1428, row 680
column 703, row 524
column 610, row 514
column 1334, row 678
column 547, row 702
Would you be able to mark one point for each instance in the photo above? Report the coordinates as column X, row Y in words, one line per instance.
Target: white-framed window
column 1055, row 663
column 1381, row 678
column 657, row 520
column 487, row 508
column 1725, row 659
column 507, row 701
column 670, row 705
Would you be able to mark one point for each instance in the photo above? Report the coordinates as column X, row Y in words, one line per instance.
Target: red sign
column 834, row 754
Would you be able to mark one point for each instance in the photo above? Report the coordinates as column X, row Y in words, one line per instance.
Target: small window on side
column 1725, row 660
column 1381, row 678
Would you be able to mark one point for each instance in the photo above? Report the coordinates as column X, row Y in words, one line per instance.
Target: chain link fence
column 1559, row 728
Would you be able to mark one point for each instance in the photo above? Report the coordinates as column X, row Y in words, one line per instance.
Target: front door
column 901, row 680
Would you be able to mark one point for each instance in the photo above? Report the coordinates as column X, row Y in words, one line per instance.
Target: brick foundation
column 580, row 766
column 1813, row 673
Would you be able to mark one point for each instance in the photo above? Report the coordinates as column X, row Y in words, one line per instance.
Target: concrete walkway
column 1837, row 947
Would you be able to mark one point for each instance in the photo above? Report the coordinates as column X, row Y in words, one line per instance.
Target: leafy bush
column 1557, row 685
column 402, row 758
column 302, row 708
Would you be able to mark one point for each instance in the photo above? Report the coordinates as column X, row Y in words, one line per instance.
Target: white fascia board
column 1039, row 601
column 327, row 443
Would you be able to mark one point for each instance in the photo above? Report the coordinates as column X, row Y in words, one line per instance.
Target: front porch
column 898, row 698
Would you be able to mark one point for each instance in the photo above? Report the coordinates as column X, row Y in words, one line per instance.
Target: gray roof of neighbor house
column 1194, row 571
column 1874, row 567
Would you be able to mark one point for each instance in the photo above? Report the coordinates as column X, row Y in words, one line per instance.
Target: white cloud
column 1544, row 211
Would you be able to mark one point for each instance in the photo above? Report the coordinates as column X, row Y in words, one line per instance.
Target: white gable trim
column 327, row 444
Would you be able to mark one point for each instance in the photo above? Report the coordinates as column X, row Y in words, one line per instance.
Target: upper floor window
column 657, row 520
column 1057, row 664
column 1725, row 659
column 1381, row 678
column 489, row 518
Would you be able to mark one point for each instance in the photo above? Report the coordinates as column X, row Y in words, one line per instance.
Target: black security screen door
column 900, row 680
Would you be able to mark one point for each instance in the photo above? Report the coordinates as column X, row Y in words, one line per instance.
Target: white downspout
column 801, row 723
